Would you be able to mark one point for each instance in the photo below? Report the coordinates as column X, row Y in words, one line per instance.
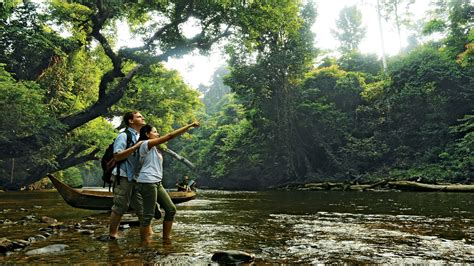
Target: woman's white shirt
column 151, row 162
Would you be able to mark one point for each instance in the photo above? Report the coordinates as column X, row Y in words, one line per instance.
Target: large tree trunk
column 66, row 159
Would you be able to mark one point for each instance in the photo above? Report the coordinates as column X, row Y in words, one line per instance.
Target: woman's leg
column 149, row 194
column 170, row 210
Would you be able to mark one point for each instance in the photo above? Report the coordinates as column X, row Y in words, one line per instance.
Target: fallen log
column 368, row 186
column 415, row 186
column 386, row 185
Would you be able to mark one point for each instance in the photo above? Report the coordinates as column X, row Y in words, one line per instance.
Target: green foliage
column 349, row 31
column 163, row 98
column 214, row 94
column 27, row 47
column 283, row 120
column 21, row 105
column 325, row 114
column 354, row 61
column 72, row 176
column 459, row 156
column 72, row 83
column 455, row 19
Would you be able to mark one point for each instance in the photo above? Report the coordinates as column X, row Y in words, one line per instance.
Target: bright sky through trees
column 197, row 69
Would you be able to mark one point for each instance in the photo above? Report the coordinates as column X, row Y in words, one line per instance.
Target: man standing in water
column 125, row 194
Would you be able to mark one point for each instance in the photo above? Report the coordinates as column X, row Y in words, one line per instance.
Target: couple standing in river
column 138, row 178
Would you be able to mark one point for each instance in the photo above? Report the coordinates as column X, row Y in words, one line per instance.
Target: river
column 279, row 227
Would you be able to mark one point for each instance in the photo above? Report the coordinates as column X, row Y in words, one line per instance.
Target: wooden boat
column 102, row 200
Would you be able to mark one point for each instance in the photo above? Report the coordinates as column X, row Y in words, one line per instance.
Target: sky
column 197, row 69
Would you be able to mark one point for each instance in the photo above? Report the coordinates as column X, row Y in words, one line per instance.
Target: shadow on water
column 277, row 226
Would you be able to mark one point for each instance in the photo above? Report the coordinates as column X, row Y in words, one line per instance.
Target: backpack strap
column 129, row 138
column 129, row 144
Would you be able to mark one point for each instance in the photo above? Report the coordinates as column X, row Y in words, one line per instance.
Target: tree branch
column 179, row 158
column 101, row 106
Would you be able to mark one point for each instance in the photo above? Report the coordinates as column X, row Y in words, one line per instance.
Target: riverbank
column 382, row 186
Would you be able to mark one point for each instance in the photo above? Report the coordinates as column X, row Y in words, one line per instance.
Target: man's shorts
column 126, row 196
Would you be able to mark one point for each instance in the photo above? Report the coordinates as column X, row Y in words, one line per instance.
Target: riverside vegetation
column 281, row 111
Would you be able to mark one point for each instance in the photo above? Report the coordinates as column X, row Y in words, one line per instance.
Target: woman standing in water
column 150, row 180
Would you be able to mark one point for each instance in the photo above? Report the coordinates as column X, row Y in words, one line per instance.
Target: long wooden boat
column 102, row 200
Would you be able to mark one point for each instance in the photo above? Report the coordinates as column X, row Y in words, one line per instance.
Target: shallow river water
column 279, row 227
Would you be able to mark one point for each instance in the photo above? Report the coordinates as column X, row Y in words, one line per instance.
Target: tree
column 266, row 86
column 355, row 61
column 382, row 40
column 215, row 93
column 349, row 31
column 326, row 110
column 454, row 19
column 92, row 23
column 391, row 10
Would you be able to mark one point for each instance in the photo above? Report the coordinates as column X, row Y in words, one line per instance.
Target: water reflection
column 277, row 226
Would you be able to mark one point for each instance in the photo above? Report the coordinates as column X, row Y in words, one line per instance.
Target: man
column 184, row 185
column 124, row 189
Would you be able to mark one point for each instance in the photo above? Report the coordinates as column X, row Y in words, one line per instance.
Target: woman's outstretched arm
column 171, row 135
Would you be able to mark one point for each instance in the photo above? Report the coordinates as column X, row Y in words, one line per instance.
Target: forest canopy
column 276, row 114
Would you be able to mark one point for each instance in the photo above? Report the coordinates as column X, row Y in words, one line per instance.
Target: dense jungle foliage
column 281, row 111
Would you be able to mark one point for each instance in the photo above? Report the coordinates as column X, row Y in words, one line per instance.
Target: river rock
column 20, row 244
column 58, row 226
column 232, row 257
column 45, row 234
column 48, row 220
column 85, row 231
column 48, row 249
column 5, row 245
column 6, row 222
column 40, row 237
column 46, row 230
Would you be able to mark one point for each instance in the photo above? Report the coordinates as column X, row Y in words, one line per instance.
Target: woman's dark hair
column 143, row 131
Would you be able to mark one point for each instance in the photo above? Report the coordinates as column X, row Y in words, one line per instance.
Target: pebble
column 124, row 226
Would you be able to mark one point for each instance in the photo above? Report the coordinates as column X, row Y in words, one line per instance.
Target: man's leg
column 122, row 194
column 115, row 219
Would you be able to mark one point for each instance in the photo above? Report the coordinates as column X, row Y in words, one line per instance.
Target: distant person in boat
column 184, row 185
column 124, row 187
column 150, row 178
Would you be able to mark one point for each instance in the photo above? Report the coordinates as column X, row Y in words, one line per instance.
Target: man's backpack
column 108, row 162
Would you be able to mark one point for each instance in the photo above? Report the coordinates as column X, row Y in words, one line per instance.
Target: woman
column 149, row 180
